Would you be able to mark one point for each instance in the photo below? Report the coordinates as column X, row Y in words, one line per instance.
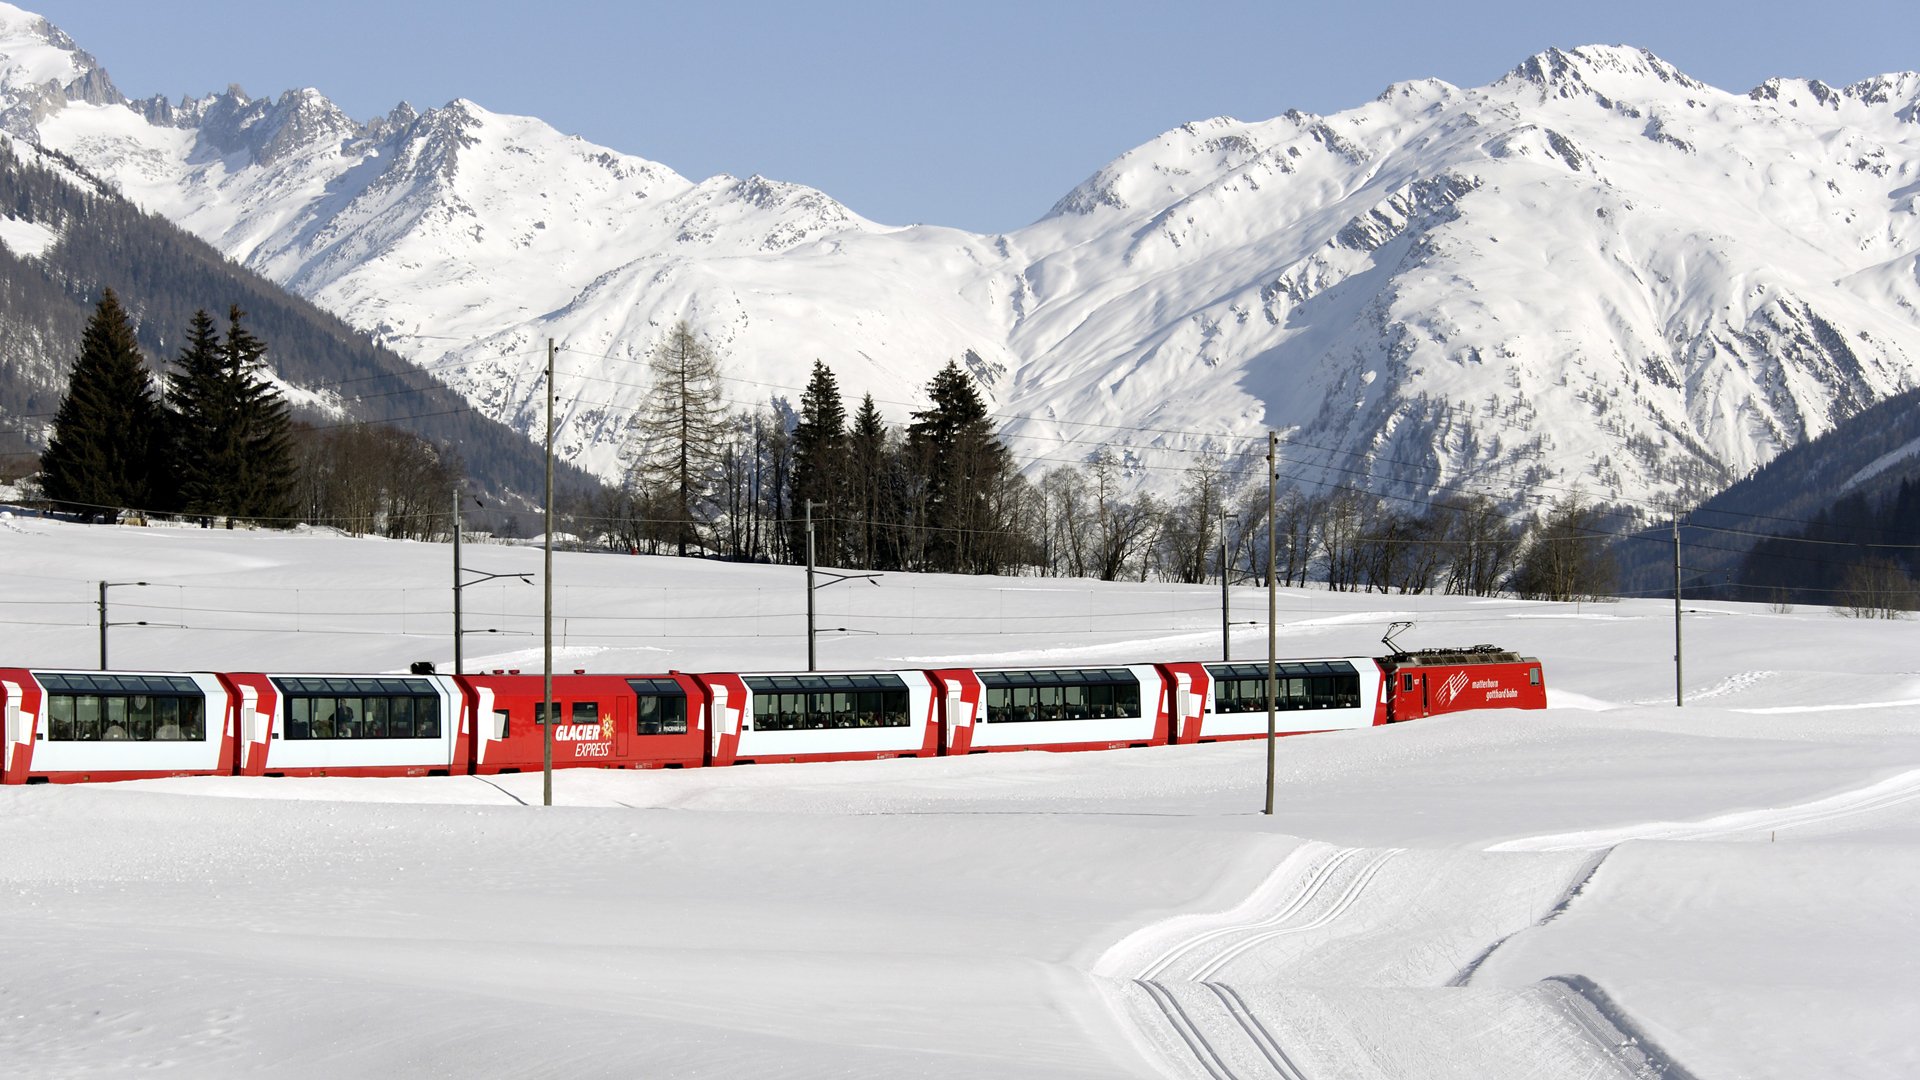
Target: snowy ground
column 1613, row 887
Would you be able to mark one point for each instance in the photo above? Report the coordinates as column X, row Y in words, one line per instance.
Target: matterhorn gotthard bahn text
column 1595, row 274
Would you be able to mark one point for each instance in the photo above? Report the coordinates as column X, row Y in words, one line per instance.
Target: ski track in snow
column 1292, row 982
column 1338, row 937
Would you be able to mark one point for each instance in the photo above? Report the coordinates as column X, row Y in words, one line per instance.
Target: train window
column 661, row 707
column 1086, row 694
column 586, row 712
column 1533, row 676
column 816, row 702
column 662, row 714
column 1313, row 684
column 500, row 725
column 353, row 707
column 128, row 718
column 1406, row 684
column 88, row 706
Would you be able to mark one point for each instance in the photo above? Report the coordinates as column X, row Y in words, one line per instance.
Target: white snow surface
column 1595, row 274
column 25, row 238
column 1611, row 887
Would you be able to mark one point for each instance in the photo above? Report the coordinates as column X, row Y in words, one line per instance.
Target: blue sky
column 977, row 115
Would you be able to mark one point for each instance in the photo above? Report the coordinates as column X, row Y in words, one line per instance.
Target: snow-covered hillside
column 1594, row 274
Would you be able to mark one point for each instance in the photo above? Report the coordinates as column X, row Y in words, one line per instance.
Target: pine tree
column 965, row 471
column 820, row 463
column 232, row 434
column 264, row 480
column 200, row 420
column 107, row 433
column 869, row 467
column 682, row 431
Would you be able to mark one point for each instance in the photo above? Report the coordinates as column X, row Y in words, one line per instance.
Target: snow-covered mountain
column 1594, row 274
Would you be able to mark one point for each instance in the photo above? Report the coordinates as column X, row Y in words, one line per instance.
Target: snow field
column 1588, row 890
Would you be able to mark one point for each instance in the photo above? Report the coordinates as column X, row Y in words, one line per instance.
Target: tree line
column 212, row 438
column 1861, row 555
column 943, row 494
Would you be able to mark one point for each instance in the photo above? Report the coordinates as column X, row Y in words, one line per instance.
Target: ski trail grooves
column 1263, row 1039
column 1324, row 868
column 1888, row 793
column 1353, row 961
column 1189, row 1032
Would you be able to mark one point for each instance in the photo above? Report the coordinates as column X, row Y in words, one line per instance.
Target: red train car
column 1053, row 708
column 608, row 721
column 820, row 716
column 76, row 726
column 1433, row 681
column 349, row 725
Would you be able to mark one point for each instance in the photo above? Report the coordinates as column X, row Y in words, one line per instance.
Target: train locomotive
column 78, row 726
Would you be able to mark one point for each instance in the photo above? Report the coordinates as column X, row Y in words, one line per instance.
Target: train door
column 621, row 710
column 1409, row 695
column 18, row 732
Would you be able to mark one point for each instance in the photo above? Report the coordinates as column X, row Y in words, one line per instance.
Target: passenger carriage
column 349, row 725
column 1309, row 695
column 609, row 721
column 820, row 716
column 1053, row 708
column 75, row 726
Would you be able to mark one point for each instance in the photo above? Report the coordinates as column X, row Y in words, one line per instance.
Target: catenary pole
column 1679, row 687
column 810, row 505
column 1226, row 601
column 1273, row 608
column 546, row 702
column 456, row 580
column 104, row 586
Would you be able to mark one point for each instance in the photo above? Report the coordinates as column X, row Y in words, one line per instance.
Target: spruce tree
column 964, row 468
column 201, row 420
column 869, row 465
column 264, row 480
column 107, row 433
column 820, row 463
column 231, row 429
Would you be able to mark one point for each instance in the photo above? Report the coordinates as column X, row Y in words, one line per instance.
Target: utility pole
column 546, row 704
column 810, row 506
column 1226, row 601
column 1679, row 691
column 104, row 586
column 456, row 579
column 1273, row 608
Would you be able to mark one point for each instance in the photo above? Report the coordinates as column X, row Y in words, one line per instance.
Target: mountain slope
column 1596, row 274
column 65, row 237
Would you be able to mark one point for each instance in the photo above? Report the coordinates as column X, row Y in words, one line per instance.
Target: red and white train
column 75, row 726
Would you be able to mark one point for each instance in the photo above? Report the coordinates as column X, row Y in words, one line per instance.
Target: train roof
column 1464, row 654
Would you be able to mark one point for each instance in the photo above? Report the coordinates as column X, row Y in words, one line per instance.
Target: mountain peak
column 41, row 69
column 1604, row 70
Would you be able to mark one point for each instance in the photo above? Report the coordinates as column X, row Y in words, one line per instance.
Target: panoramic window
column 1017, row 697
column 85, row 707
column 1313, row 684
column 807, row 702
column 342, row 707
